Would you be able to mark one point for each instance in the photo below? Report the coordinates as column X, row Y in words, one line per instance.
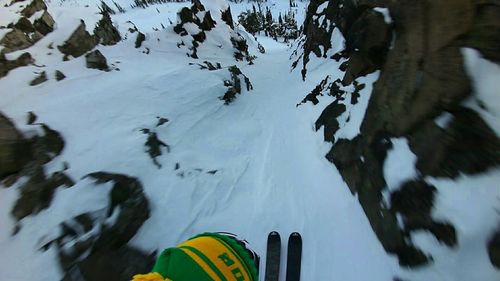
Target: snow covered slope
column 249, row 167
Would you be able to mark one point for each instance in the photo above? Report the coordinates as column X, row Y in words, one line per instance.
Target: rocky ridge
column 417, row 48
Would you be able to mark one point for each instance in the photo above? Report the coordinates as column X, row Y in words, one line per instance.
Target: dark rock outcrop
column 367, row 42
column 189, row 15
column 106, row 31
column 466, row 146
column 8, row 65
column 484, row 33
column 33, row 7
column 422, row 76
column 205, row 23
column 24, row 33
column 139, row 39
column 79, row 42
column 29, row 156
column 96, row 60
column 234, row 85
column 24, row 25
column 227, row 17
column 17, row 40
column 37, row 192
column 14, row 148
column 90, row 248
column 44, row 24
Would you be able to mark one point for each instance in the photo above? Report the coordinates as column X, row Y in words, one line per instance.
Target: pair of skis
column 273, row 257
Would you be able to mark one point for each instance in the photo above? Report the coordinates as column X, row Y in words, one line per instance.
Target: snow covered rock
column 213, row 27
column 44, row 24
column 422, row 76
column 98, row 245
column 17, row 40
column 33, row 7
column 80, row 42
column 7, row 65
column 106, row 31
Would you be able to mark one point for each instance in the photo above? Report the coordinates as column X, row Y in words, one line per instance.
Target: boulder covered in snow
column 106, row 31
column 33, row 7
column 80, row 42
column 209, row 25
column 44, row 24
column 7, row 65
column 17, row 40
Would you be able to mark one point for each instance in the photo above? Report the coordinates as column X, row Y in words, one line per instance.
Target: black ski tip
column 295, row 234
column 274, row 233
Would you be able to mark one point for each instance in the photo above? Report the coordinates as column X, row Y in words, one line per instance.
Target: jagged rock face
column 189, row 16
column 422, row 76
column 200, row 22
column 7, row 65
column 96, row 60
column 484, row 34
column 33, row 7
column 44, row 24
column 467, row 145
column 79, row 42
column 14, row 149
column 367, row 45
column 24, row 25
column 16, row 40
column 25, row 33
column 367, row 35
column 106, row 32
column 227, row 17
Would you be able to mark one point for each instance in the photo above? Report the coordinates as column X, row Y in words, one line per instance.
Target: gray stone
column 59, row 75
column 96, row 60
column 39, row 79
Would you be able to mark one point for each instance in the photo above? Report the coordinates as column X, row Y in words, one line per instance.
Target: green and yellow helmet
column 205, row 257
